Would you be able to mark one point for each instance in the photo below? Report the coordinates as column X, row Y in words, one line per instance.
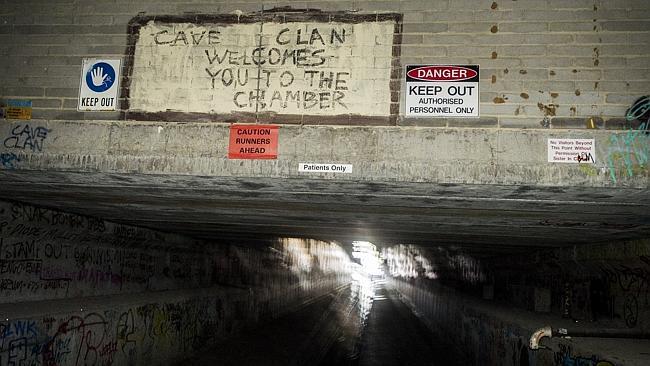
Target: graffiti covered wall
column 484, row 335
column 289, row 64
column 489, row 307
column 76, row 290
column 47, row 254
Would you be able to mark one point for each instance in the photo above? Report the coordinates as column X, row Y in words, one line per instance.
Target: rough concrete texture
column 605, row 283
column 74, row 294
column 323, row 332
column 399, row 154
column 567, row 60
column 462, row 186
column 77, row 290
column 596, row 290
column 489, row 334
column 538, row 59
column 53, row 255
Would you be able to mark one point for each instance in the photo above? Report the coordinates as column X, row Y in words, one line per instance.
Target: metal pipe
column 538, row 335
column 547, row 331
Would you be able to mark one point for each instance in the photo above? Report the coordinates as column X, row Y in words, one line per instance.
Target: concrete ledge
column 402, row 154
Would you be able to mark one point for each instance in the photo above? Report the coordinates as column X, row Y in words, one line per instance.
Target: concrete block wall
column 490, row 306
column 487, row 334
column 606, row 283
column 79, row 290
column 571, row 61
column 600, row 283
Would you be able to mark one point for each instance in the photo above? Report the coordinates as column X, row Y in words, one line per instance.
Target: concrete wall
column 609, row 283
column 486, row 334
column 79, row 290
column 490, row 156
column 490, row 306
column 567, row 60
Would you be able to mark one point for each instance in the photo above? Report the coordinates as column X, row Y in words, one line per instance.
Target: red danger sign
column 442, row 73
column 442, row 91
column 253, row 142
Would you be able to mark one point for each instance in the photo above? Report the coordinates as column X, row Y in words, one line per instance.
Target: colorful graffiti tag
column 628, row 152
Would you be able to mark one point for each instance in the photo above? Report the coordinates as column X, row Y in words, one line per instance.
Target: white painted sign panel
column 324, row 168
column 100, row 84
column 442, row 91
column 573, row 151
column 297, row 68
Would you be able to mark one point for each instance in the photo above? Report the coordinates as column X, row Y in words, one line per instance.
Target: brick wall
column 568, row 60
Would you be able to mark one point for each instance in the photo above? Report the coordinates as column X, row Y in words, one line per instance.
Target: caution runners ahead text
column 253, row 142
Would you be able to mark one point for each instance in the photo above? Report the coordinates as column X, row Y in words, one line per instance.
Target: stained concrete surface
column 483, row 189
column 325, row 333
column 306, row 336
column 80, row 290
column 395, row 336
column 490, row 332
column 474, row 216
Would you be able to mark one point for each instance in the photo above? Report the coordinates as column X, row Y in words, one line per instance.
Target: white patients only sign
column 574, row 151
column 442, row 91
column 99, row 85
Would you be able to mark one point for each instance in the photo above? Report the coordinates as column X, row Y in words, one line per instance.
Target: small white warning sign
column 442, row 91
column 324, row 167
column 99, row 85
column 575, row 151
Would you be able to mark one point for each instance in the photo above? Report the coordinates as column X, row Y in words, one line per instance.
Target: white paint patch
column 290, row 68
column 575, row 151
column 324, row 167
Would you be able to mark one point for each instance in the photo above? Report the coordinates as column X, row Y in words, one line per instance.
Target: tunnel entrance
column 77, row 287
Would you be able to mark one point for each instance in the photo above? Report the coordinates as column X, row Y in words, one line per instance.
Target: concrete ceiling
column 483, row 219
column 486, row 191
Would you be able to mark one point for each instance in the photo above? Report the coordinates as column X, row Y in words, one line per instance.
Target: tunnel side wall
column 79, row 290
column 605, row 283
column 491, row 306
column 483, row 334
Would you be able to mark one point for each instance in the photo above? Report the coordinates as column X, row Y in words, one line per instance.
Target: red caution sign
column 253, row 142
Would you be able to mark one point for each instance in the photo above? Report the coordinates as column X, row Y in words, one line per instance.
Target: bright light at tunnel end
column 407, row 261
column 369, row 258
column 367, row 272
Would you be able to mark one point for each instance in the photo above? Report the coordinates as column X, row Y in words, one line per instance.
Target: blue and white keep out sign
column 99, row 85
